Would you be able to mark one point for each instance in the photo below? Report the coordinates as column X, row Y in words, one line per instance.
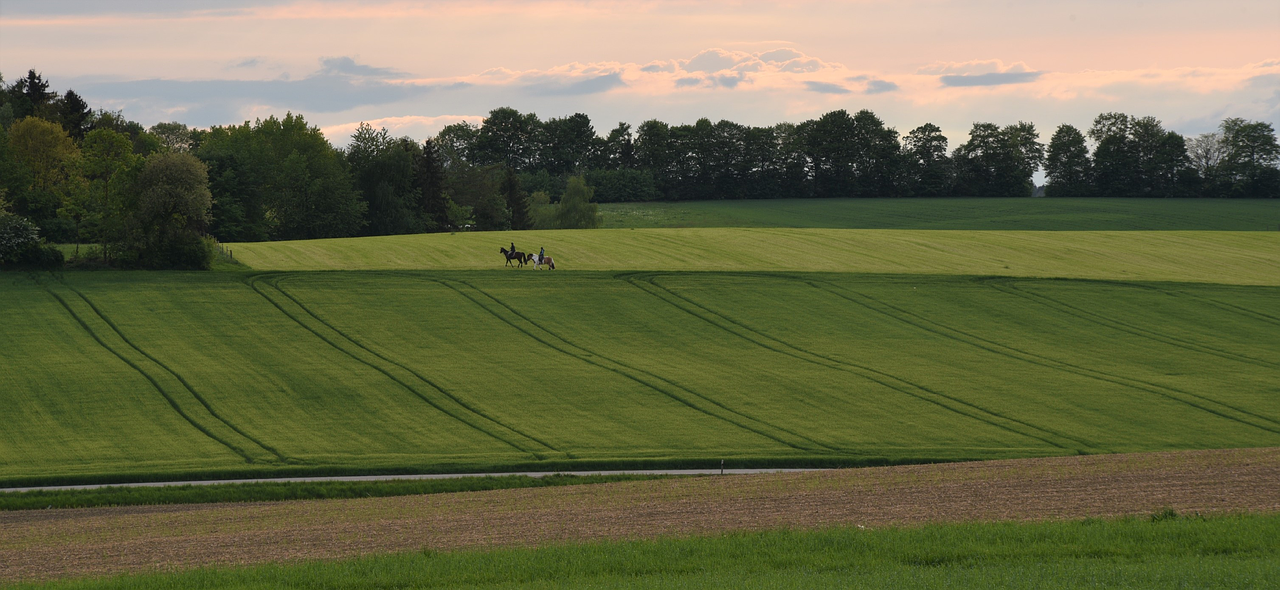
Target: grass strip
column 278, row 491
column 1165, row 550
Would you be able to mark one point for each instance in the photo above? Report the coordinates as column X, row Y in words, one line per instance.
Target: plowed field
column 59, row 543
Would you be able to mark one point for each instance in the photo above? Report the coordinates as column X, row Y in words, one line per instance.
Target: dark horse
column 519, row 257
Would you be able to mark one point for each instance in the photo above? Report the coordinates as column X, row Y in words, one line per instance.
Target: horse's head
column 502, row 250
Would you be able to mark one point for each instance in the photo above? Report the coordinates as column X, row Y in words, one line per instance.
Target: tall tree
column 172, row 213
column 576, row 211
column 383, row 170
column 517, row 200
column 456, row 144
column 432, row 201
column 109, row 166
column 1137, row 157
column 1067, row 164
column 1251, row 157
column 562, row 145
column 173, row 136
column 74, row 114
column 655, row 152
column 928, row 171
column 45, row 150
column 998, row 162
column 507, row 137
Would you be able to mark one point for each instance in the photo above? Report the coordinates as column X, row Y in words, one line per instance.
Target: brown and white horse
column 538, row 261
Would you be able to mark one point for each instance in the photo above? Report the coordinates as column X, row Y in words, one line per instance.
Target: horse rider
column 542, row 254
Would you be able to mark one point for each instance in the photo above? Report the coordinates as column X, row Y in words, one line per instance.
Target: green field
column 1165, row 551
column 1244, row 258
column 951, row 214
column 116, row 375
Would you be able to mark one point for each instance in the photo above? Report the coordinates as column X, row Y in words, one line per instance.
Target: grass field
column 275, row 491
column 955, row 214
column 174, row 375
column 1163, row 551
column 1246, row 258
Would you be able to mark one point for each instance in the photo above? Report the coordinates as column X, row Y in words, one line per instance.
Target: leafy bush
column 18, row 236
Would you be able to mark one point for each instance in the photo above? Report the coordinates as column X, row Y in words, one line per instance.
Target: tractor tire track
column 993, row 347
column 253, row 283
column 642, row 377
column 887, row 380
column 436, row 386
column 1008, row 286
column 251, row 458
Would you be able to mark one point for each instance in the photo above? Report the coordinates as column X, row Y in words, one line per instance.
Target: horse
column 538, row 261
column 519, row 257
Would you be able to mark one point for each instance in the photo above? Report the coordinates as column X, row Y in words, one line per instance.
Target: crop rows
column 123, row 375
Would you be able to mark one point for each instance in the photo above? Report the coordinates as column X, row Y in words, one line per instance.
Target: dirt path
column 59, row 543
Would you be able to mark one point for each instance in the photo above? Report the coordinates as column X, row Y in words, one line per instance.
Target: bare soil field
column 101, row 541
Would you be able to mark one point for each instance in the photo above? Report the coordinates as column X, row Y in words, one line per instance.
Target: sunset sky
column 415, row 66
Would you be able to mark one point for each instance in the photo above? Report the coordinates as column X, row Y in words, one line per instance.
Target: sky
column 414, row 67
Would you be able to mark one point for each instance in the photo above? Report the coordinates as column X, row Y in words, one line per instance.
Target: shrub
column 18, row 237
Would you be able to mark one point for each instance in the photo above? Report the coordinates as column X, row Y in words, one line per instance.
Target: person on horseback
column 542, row 252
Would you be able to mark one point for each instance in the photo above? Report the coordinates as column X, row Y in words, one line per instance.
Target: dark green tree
column 562, row 145
column 383, row 170
column 517, row 200
column 173, row 211
column 576, row 211
column 927, row 168
column 998, row 162
column 74, row 114
column 1067, row 165
column 1250, row 158
column 456, row 144
column 432, row 201
column 507, row 137
column 1137, row 157
column 173, row 136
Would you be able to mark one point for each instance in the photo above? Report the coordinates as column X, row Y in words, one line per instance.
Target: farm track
column 165, row 380
column 400, row 374
column 650, row 380
column 103, row 541
column 892, row 382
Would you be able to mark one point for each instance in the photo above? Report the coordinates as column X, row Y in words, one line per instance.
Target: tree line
column 154, row 197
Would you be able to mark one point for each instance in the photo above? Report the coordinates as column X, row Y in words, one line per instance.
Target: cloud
column 714, row 60
column 826, row 88
column 988, row 72
column 572, row 86
column 879, row 87
column 777, row 56
column 963, row 68
column 659, row 66
column 991, row 79
column 252, row 62
column 348, row 67
column 687, row 82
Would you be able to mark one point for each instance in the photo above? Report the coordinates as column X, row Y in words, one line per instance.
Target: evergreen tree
column 432, row 201
column 517, row 200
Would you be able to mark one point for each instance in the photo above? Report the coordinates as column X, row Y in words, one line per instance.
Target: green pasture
column 1246, row 258
column 130, row 375
column 1164, row 551
column 955, row 214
